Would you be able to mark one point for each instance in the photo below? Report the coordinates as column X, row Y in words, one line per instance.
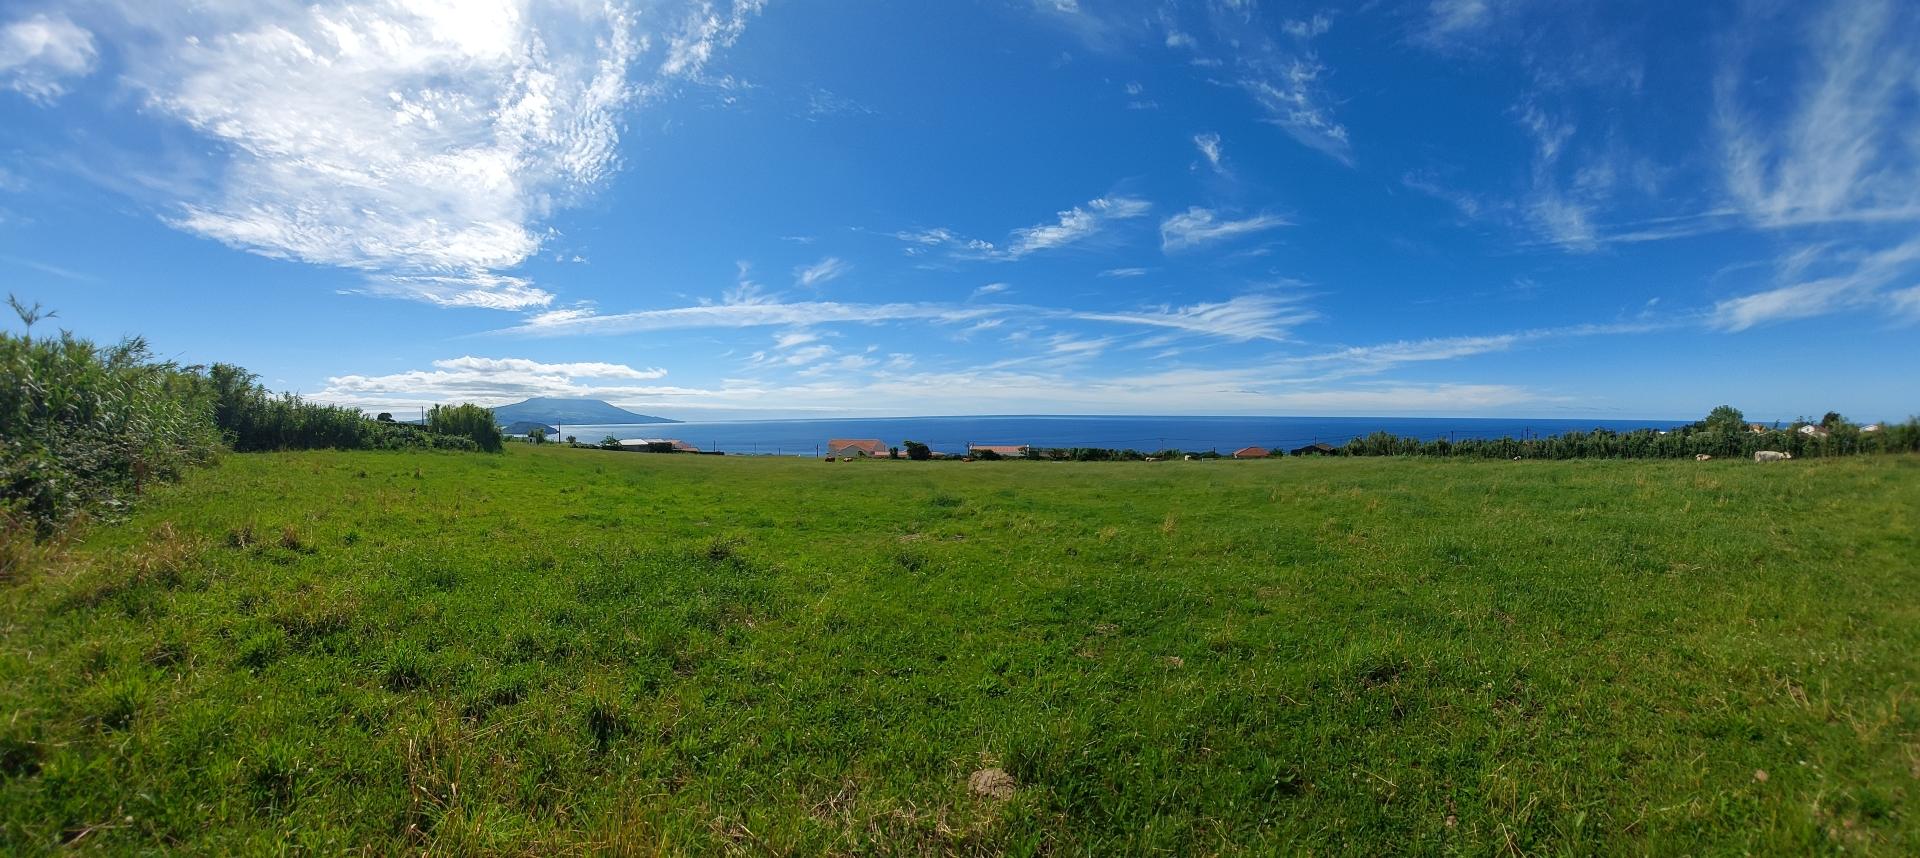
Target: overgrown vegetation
column 468, row 421
column 86, row 428
column 556, row 651
column 1724, row 434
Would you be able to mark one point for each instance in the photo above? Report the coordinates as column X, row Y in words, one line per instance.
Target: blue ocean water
column 953, row 434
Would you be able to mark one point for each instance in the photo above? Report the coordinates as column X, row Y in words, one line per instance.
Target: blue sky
column 721, row 210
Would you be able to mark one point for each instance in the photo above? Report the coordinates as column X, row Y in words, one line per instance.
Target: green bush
column 85, row 428
column 469, row 421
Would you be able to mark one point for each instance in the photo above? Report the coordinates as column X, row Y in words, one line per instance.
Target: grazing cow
column 1770, row 456
column 1701, row 457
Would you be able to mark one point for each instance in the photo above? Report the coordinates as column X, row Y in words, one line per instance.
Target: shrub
column 85, row 428
column 917, row 451
column 470, row 421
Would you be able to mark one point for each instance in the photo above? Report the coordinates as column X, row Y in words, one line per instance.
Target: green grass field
column 557, row 651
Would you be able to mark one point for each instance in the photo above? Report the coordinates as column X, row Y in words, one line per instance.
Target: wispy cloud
column 990, row 289
column 1450, row 19
column 1245, row 317
column 1124, row 272
column 491, row 381
column 1560, row 215
column 1905, row 304
column 742, row 314
column 1293, row 100
column 820, row 272
column 1197, row 226
column 425, row 144
column 54, row 270
column 1241, row 318
column 40, row 53
column 1845, row 150
column 1209, row 146
column 1374, row 359
column 1073, row 226
column 1852, row 280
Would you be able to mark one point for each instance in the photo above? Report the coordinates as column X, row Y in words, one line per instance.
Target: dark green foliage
column 1726, row 419
column 468, row 421
column 85, row 428
column 917, row 451
column 1685, row 442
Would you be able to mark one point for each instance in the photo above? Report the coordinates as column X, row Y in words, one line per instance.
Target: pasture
column 559, row 651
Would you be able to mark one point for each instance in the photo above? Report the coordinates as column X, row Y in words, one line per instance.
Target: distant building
column 1756, row 428
column 1870, row 427
column 1315, row 449
column 1814, row 430
column 1251, row 453
column 1009, row 451
column 854, row 448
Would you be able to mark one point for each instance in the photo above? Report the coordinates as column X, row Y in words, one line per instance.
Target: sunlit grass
column 570, row 650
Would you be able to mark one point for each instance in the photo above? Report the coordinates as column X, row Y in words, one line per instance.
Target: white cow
column 1770, row 456
column 1702, row 457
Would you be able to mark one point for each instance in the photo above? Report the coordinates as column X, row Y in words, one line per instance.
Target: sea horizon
column 952, row 434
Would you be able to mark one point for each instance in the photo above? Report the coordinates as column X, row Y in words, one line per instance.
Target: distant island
column 548, row 410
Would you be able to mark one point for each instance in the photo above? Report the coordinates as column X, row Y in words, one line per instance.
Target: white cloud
column 820, row 272
column 425, row 143
column 1905, row 303
column 1241, row 318
column 755, row 313
column 1846, row 148
column 1072, row 226
column 1449, row 18
column 1124, row 272
column 492, row 381
column 703, row 30
column 39, row 53
column 990, row 289
column 1857, row 282
column 1245, row 317
column 1308, row 28
column 572, row 370
column 1209, row 146
column 1075, row 225
column 1374, row 359
column 1293, row 98
column 792, row 339
column 1197, row 226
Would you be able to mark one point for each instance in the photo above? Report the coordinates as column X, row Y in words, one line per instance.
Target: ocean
column 953, row 434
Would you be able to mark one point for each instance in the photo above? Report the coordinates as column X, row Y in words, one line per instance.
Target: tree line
column 1724, row 433
column 84, row 428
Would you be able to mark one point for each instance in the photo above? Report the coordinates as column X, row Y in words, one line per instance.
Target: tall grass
column 84, row 427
